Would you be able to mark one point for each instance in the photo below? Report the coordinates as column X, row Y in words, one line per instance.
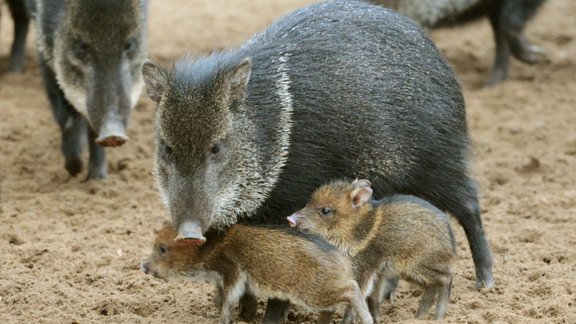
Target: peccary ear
column 359, row 183
column 237, row 80
column 155, row 80
column 360, row 196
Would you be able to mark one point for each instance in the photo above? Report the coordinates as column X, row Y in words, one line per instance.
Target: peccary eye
column 162, row 249
column 130, row 45
column 216, row 149
column 80, row 50
column 325, row 211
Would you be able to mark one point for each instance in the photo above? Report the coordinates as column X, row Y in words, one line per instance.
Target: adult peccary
column 21, row 22
column 397, row 236
column 333, row 90
column 507, row 17
column 91, row 53
column 268, row 261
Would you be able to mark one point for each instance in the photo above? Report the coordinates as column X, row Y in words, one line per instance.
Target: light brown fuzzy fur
column 400, row 236
column 269, row 262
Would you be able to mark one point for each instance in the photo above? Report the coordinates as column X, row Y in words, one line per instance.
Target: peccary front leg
column 233, row 290
column 384, row 288
column 356, row 300
column 276, row 311
column 443, row 300
column 72, row 124
column 21, row 23
column 365, row 284
column 97, row 161
column 428, row 298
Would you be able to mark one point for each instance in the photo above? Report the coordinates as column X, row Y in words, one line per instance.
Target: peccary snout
column 112, row 132
column 190, row 230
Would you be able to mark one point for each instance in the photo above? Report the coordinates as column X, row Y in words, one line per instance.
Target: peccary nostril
column 144, row 267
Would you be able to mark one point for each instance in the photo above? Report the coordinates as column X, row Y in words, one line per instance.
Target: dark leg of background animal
column 72, row 124
column 325, row 317
column 502, row 58
column 467, row 211
column 97, row 161
column 21, row 22
column 276, row 311
column 247, row 307
column 513, row 17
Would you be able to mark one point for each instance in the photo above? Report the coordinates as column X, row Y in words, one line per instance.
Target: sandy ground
column 70, row 250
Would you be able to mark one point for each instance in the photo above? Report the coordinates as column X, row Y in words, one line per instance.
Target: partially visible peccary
column 270, row 262
column 507, row 17
column 398, row 236
column 91, row 53
column 21, row 22
column 331, row 89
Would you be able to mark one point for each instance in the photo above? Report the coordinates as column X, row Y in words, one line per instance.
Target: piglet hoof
column 247, row 307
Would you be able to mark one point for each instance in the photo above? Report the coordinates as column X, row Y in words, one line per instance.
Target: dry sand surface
column 70, row 250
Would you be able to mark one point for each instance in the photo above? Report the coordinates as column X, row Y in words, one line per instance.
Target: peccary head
column 334, row 209
column 207, row 168
column 171, row 259
column 97, row 53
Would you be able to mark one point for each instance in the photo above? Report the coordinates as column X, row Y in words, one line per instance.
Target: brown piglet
column 269, row 262
column 399, row 236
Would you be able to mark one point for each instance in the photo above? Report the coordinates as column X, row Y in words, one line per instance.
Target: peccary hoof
column 73, row 166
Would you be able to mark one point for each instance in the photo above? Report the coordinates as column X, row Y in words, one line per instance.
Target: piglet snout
column 292, row 220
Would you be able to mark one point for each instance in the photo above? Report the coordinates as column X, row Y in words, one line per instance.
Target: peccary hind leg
column 514, row 15
column 467, row 212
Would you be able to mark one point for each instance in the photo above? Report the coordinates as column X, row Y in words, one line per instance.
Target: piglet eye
column 325, row 211
column 216, row 149
column 162, row 249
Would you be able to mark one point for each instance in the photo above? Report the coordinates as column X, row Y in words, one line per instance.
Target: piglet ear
column 155, row 80
column 359, row 183
column 360, row 196
column 237, row 80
